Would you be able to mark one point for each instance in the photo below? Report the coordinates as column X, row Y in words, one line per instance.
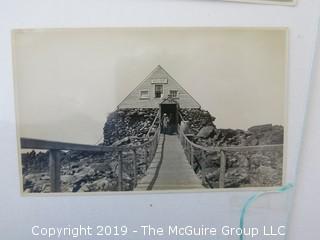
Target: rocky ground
column 198, row 119
column 83, row 172
column 126, row 125
column 87, row 172
column 244, row 168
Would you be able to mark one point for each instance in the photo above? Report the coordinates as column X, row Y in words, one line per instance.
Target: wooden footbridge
column 175, row 170
column 171, row 161
column 171, row 169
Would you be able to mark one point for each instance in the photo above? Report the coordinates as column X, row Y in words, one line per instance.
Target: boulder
column 102, row 185
column 259, row 159
column 85, row 188
column 122, row 141
column 235, row 177
column 266, row 176
column 277, row 135
column 260, row 128
column 198, row 118
column 205, row 132
column 213, row 174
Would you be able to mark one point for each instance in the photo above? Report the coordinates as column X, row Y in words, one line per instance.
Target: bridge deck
column 175, row 171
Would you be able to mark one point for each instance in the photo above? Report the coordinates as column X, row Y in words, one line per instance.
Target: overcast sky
column 67, row 81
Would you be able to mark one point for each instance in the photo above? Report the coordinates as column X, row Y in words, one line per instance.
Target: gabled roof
column 158, row 73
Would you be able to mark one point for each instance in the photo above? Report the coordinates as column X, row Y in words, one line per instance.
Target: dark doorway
column 171, row 109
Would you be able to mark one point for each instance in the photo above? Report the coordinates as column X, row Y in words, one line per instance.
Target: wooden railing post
column 202, row 164
column 54, row 170
column 135, row 175
column 146, row 157
column 192, row 156
column 120, row 172
column 222, row 169
column 153, row 144
column 188, row 153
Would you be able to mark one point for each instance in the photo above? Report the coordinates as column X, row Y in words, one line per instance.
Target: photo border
column 176, row 191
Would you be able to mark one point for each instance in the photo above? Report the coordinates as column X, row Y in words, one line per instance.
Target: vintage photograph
column 275, row 2
column 150, row 109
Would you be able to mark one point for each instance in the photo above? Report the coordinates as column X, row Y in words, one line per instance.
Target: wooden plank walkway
column 175, row 171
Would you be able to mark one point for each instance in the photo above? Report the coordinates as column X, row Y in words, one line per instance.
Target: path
column 175, row 171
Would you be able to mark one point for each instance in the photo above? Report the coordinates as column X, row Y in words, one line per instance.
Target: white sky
column 67, row 81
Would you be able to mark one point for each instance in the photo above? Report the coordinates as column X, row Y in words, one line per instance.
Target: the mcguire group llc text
column 154, row 231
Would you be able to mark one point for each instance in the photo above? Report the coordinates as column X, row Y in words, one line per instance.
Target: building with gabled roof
column 154, row 89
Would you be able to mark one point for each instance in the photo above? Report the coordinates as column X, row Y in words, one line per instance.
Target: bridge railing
column 198, row 156
column 157, row 118
column 146, row 149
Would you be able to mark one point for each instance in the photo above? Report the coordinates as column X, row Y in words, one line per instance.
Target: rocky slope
column 125, row 123
column 83, row 172
column 244, row 168
column 87, row 172
column 198, row 119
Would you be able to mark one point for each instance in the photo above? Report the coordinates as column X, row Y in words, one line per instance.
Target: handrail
column 153, row 123
column 231, row 148
column 189, row 147
column 182, row 119
column 54, row 147
column 32, row 143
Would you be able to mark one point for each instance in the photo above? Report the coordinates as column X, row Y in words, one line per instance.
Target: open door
column 171, row 109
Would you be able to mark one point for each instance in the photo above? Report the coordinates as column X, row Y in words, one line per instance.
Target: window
column 158, row 91
column 144, row 94
column 173, row 93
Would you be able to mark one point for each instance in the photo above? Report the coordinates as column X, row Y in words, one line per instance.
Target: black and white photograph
column 150, row 109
